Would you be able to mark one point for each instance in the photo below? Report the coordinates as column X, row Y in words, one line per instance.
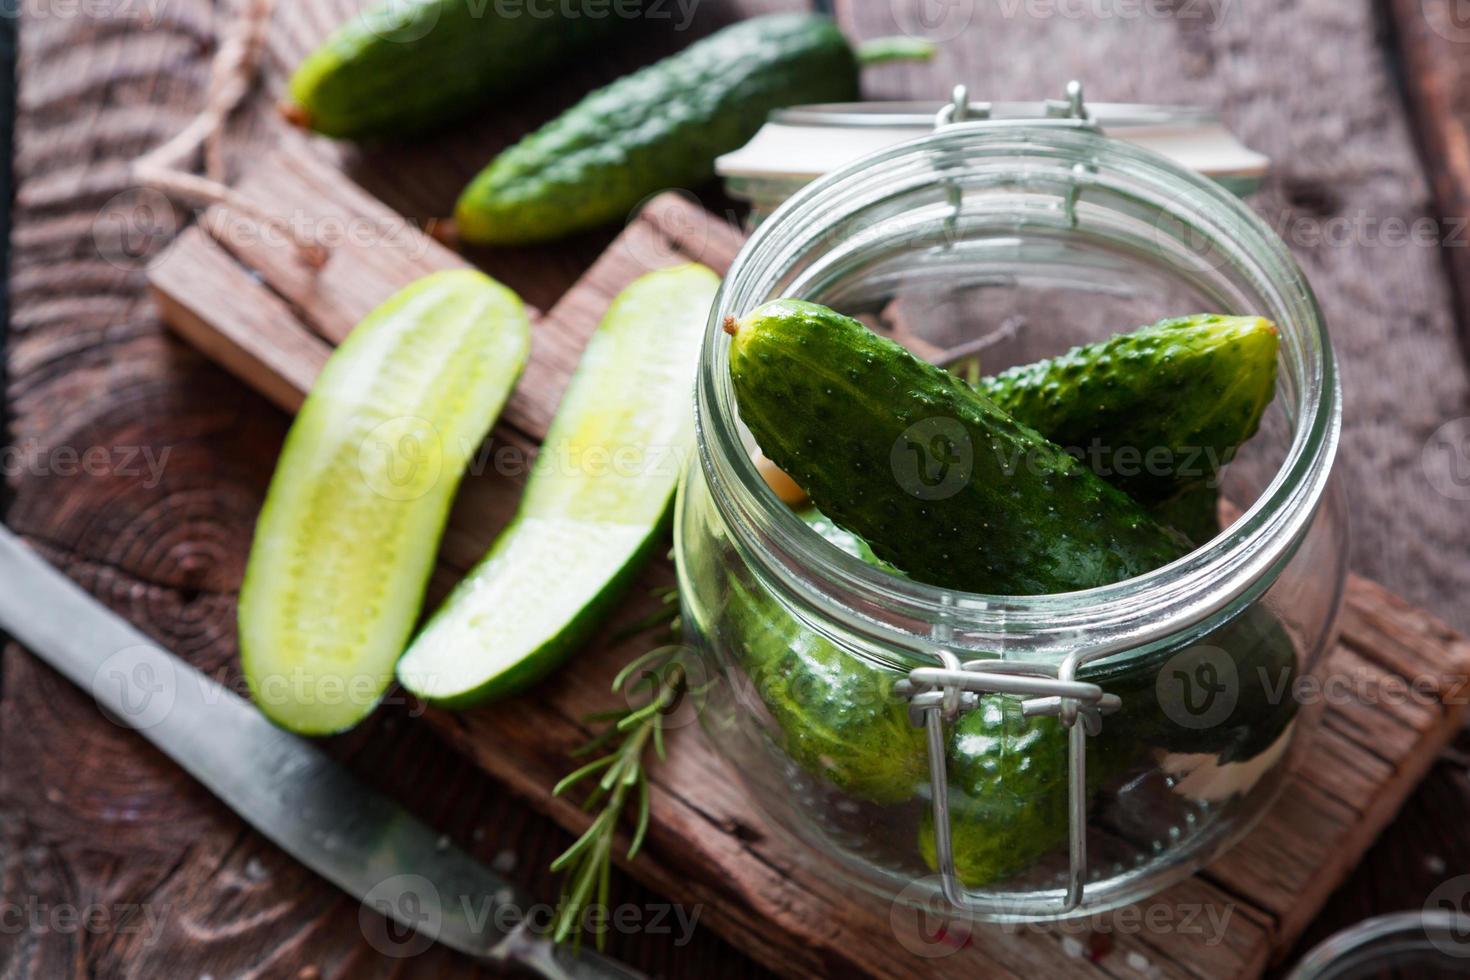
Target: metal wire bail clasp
column 939, row 695
column 1070, row 110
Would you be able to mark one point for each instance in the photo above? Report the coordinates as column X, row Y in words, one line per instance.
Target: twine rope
column 168, row 168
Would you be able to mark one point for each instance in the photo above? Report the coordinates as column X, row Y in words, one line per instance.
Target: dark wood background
column 1359, row 104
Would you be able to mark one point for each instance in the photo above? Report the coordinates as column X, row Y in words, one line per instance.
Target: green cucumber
column 403, row 67
column 1194, row 512
column 594, row 506
column 1154, row 411
column 347, row 537
column 659, row 128
column 844, row 540
column 1008, row 792
column 1008, row 789
column 839, row 718
column 937, row 479
column 1251, row 664
column 1008, row 774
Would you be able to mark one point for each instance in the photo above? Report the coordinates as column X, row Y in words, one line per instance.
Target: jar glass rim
column 1140, row 610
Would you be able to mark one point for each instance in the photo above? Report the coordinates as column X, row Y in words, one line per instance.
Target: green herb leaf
column 652, row 684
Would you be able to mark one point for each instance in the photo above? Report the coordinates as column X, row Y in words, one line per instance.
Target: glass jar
column 1016, row 240
column 1425, row 945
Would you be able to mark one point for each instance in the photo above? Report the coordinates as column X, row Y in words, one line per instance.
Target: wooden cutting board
column 254, row 304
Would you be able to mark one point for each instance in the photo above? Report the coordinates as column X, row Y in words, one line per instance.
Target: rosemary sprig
column 653, row 684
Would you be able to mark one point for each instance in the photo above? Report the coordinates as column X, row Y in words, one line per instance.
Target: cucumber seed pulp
column 351, row 523
column 594, row 506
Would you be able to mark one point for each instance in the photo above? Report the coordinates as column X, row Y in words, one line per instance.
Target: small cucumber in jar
column 938, row 480
column 1153, row 411
column 594, row 506
column 351, row 524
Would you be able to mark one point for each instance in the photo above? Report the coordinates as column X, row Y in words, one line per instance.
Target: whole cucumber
column 838, row 716
column 1008, row 790
column 659, row 128
column 936, row 478
column 402, row 67
column 1153, row 411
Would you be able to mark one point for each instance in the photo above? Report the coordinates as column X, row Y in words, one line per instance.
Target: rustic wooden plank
column 370, row 251
column 1351, row 772
column 1432, row 36
column 250, row 331
column 252, row 304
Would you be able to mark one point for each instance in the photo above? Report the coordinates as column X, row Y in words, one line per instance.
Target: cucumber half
column 594, row 507
column 347, row 537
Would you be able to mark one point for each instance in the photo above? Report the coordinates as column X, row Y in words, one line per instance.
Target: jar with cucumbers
column 1024, row 632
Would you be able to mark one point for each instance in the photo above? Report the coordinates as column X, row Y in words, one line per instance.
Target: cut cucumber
column 347, row 537
column 594, row 507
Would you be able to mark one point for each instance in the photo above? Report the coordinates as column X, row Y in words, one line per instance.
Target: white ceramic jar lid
column 802, row 143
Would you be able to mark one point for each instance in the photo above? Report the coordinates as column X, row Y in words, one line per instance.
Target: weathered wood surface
column 92, row 819
column 1434, row 44
column 88, row 814
column 708, row 847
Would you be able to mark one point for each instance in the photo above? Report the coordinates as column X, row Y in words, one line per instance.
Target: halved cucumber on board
column 594, row 506
column 347, row 537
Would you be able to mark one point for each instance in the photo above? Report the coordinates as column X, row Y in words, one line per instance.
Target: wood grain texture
column 709, row 847
column 90, row 817
column 89, row 814
column 1434, row 42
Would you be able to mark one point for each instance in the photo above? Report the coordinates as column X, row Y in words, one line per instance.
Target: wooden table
column 1359, row 108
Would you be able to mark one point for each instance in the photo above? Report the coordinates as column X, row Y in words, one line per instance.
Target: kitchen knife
column 282, row 785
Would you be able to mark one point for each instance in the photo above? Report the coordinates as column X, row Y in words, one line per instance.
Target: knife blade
column 282, row 785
